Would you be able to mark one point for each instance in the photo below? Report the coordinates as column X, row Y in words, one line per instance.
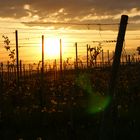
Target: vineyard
column 64, row 105
column 68, row 100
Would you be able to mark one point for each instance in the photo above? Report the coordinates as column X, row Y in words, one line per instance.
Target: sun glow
column 52, row 47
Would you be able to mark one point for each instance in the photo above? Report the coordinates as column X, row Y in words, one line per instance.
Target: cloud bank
column 83, row 11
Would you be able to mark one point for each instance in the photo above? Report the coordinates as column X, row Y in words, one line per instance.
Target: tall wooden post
column 76, row 52
column 118, row 51
column 87, row 55
column 1, row 78
column 60, row 57
column 55, row 70
column 109, row 118
column 24, row 71
column 42, row 77
column 17, row 57
column 2, row 69
column 30, row 71
column 108, row 57
column 102, row 57
column 20, row 68
column 8, row 71
column 42, row 54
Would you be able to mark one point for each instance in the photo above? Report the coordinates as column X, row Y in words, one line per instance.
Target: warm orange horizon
column 30, row 43
column 86, row 23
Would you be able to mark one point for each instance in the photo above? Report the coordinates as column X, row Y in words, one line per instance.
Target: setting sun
column 52, row 47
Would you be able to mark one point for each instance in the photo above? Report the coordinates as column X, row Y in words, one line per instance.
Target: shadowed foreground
column 70, row 108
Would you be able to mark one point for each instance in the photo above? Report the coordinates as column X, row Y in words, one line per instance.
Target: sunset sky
column 82, row 21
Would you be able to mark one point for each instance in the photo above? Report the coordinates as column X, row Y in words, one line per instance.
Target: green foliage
column 8, row 48
column 94, row 52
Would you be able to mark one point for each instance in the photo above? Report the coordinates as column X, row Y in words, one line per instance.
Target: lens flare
column 96, row 101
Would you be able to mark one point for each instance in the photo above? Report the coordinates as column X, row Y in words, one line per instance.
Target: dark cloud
column 73, row 10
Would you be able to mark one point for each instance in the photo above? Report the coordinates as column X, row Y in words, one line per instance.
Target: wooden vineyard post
column 20, row 68
column 42, row 75
column 1, row 78
column 24, row 72
column 42, row 54
column 108, row 57
column 60, row 58
column 1, row 69
column 17, row 57
column 8, row 71
column 118, row 51
column 30, row 71
column 109, row 118
column 55, row 70
column 87, row 55
column 76, row 52
column 102, row 58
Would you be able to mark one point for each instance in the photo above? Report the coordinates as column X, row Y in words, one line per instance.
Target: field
column 70, row 104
